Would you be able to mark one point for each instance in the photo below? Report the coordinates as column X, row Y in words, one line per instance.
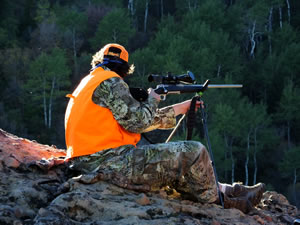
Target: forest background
column 46, row 47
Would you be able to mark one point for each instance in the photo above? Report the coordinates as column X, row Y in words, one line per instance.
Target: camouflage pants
column 184, row 166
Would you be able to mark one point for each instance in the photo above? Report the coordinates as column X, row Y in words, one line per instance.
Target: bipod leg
column 174, row 130
column 210, row 151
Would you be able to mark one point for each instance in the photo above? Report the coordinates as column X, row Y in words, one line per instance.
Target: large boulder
column 36, row 187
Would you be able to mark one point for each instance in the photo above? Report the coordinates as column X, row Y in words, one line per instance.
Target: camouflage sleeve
column 134, row 116
column 164, row 119
column 131, row 114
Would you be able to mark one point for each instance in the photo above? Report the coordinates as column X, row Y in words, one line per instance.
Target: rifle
column 176, row 84
column 185, row 83
column 180, row 84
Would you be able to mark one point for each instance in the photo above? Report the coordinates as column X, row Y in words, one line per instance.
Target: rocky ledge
column 48, row 193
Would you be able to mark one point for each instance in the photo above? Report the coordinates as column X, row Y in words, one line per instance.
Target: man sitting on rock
column 103, row 123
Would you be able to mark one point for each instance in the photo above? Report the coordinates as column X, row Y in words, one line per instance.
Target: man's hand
column 152, row 93
column 183, row 107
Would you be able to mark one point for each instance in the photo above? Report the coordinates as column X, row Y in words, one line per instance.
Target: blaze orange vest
column 90, row 128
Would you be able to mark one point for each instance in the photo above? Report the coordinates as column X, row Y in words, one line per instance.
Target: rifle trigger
column 163, row 97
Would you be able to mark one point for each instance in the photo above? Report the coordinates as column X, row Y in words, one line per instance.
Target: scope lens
column 296, row 222
column 153, row 77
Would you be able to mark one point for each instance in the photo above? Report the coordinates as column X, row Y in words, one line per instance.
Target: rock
column 11, row 162
column 40, row 191
column 16, row 151
column 42, row 212
column 143, row 200
column 215, row 222
column 259, row 219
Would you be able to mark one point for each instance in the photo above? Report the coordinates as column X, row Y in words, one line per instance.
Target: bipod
column 191, row 120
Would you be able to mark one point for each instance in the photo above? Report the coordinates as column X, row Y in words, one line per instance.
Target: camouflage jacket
column 134, row 116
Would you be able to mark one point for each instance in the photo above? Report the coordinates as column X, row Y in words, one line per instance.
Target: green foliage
column 84, row 64
column 114, row 28
column 144, row 64
column 224, row 118
column 47, row 66
column 14, row 62
column 177, row 54
column 211, row 12
column 71, row 19
column 255, row 11
column 222, row 162
column 3, row 37
column 115, row 3
column 48, row 78
column 290, row 162
column 162, row 39
column 289, row 103
column 44, row 12
column 9, row 23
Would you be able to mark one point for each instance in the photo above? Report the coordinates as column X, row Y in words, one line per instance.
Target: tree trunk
column 161, row 8
column 280, row 17
column 254, row 156
column 146, row 16
column 294, row 186
column 219, row 70
column 45, row 102
column 50, row 103
column 232, row 162
column 228, row 144
column 192, row 4
column 289, row 134
column 115, row 36
column 247, row 159
column 189, row 4
column 74, row 52
column 132, row 12
column 289, row 11
column 131, row 7
column 270, row 29
column 232, row 166
column 252, row 39
column 225, row 157
column 196, row 4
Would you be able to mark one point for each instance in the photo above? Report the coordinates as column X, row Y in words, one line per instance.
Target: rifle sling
column 191, row 118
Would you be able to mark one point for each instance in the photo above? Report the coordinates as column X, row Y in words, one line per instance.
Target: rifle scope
column 188, row 78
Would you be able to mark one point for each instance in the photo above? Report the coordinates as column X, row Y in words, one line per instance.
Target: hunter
column 103, row 125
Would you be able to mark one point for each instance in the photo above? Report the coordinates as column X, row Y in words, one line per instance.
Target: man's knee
column 197, row 148
column 194, row 146
column 192, row 152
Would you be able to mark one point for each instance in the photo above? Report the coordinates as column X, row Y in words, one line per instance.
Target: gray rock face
column 51, row 195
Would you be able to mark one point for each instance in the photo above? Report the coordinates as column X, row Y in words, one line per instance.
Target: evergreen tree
column 290, row 167
column 260, row 120
column 114, row 28
column 14, row 62
column 288, row 110
column 48, row 76
column 225, row 120
column 73, row 25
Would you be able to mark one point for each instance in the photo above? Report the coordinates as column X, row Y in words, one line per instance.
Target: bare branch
column 289, row 11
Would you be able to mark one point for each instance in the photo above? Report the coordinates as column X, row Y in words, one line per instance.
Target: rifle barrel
column 225, row 86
